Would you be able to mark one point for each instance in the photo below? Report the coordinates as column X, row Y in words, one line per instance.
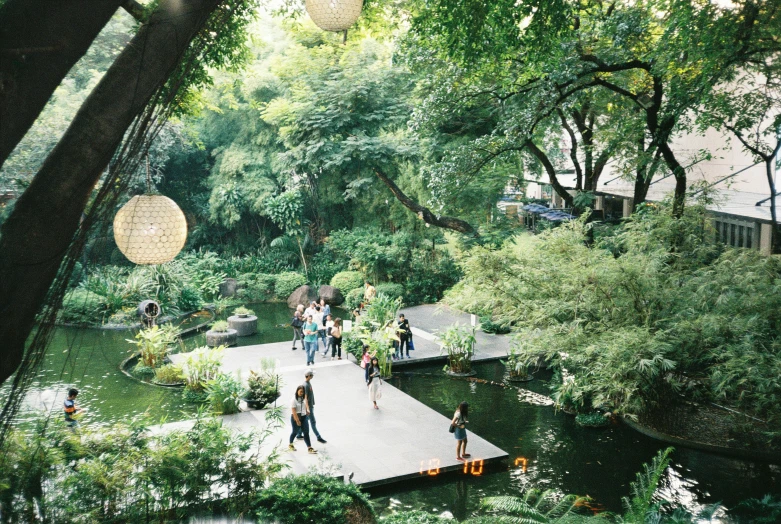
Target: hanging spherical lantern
column 150, row 229
column 334, row 15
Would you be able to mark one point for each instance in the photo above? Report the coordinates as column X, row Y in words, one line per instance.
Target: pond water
column 88, row 359
column 547, row 449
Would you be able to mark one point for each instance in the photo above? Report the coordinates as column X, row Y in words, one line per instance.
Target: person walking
column 460, row 421
column 375, row 392
column 366, row 360
column 319, row 320
column 297, row 324
column 70, row 408
column 336, row 339
column 369, row 293
column 310, row 402
column 329, row 324
column 310, row 340
column 298, row 419
column 405, row 335
column 325, row 308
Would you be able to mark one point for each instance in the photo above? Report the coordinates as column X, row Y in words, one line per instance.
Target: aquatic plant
column 243, row 311
column 169, row 374
column 154, row 343
column 458, row 341
column 223, row 393
column 220, row 326
column 201, row 365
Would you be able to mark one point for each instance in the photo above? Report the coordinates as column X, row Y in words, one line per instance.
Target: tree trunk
column 679, row 199
column 456, row 224
column 551, row 171
column 40, row 40
column 36, row 235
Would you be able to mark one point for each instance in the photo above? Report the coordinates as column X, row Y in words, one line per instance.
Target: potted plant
column 243, row 312
column 517, row 367
column 243, row 321
column 263, row 386
column 459, row 343
column 221, row 334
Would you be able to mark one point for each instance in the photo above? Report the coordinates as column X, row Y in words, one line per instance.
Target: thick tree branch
column 551, row 171
column 135, row 10
column 40, row 41
column 37, row 234
column 456, row 224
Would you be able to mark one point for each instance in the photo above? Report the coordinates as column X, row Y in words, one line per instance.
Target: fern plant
column 535, row 506
column 641, row 502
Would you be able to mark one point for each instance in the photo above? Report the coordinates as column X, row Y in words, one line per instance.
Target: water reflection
column 549, row 451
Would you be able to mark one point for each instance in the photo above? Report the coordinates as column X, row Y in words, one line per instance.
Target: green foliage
column 353, row 344
column 189, row 299
column 169, row 374
column 535, row 506
column 354, row 298
column 81, row 306
column 413, row 517
column 123, row 473
column 761, row 511
column 312, row 498
column 347, row 281
column 220, row 326
column 487, row 325
column 391, row 290
column 201, row 365
column 243, row 311
column 154, row 343
column 256, row 287
column 516, row 365
column 223, row 393
column 458, row 341
column 404, row 258
column 641, row 502
column 591, row 420
column 287, row 283
column 263, row 386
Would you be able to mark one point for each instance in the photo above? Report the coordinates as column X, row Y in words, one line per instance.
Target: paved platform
column 404, row 439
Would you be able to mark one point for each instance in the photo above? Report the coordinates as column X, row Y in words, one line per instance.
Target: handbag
column 410, row 345
column 452, row 428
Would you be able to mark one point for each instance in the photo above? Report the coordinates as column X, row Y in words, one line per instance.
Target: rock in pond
column 332, row 295
column 302, row 295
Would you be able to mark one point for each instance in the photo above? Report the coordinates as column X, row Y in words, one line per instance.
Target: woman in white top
column 298, row 418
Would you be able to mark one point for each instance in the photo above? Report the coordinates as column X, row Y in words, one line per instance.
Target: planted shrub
column 287, row 283
column 347, row 280
column 221, row 326
column 169, row 374
column 591, row 420
column 256, row 287
column 81, row 306
column 489, row 326
column 262, row 386
column 190, row 299
column 243, row 311
column 353, row 299
column 201, row 366
column 390, row 289
column 154, row 343
column 222, row 393
column 458, row 342
column 312, row 498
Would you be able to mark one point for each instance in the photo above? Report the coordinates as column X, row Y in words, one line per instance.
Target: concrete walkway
column 403, row 439
column 428, row 320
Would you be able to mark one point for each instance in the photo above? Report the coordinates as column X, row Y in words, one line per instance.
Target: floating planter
column 150, row 229
column 334, row 15
column 244, row 325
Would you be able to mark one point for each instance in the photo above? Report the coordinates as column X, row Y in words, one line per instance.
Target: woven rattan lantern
column 334, row 15
column 150, row 229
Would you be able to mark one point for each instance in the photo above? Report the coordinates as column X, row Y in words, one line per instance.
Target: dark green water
column 89, row 359
column 559, row 454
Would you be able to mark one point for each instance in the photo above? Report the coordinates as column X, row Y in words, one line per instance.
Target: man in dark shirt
column 310, row 398
column 69, row 406
column 404, row 334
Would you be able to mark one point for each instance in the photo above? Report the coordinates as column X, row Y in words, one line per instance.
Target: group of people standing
column 315, row 324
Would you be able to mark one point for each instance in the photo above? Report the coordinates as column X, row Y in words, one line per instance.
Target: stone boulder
column 302, row 295
column 332, row 295
column 228, row 287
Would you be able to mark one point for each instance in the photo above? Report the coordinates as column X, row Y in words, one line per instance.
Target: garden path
column 402, row 440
